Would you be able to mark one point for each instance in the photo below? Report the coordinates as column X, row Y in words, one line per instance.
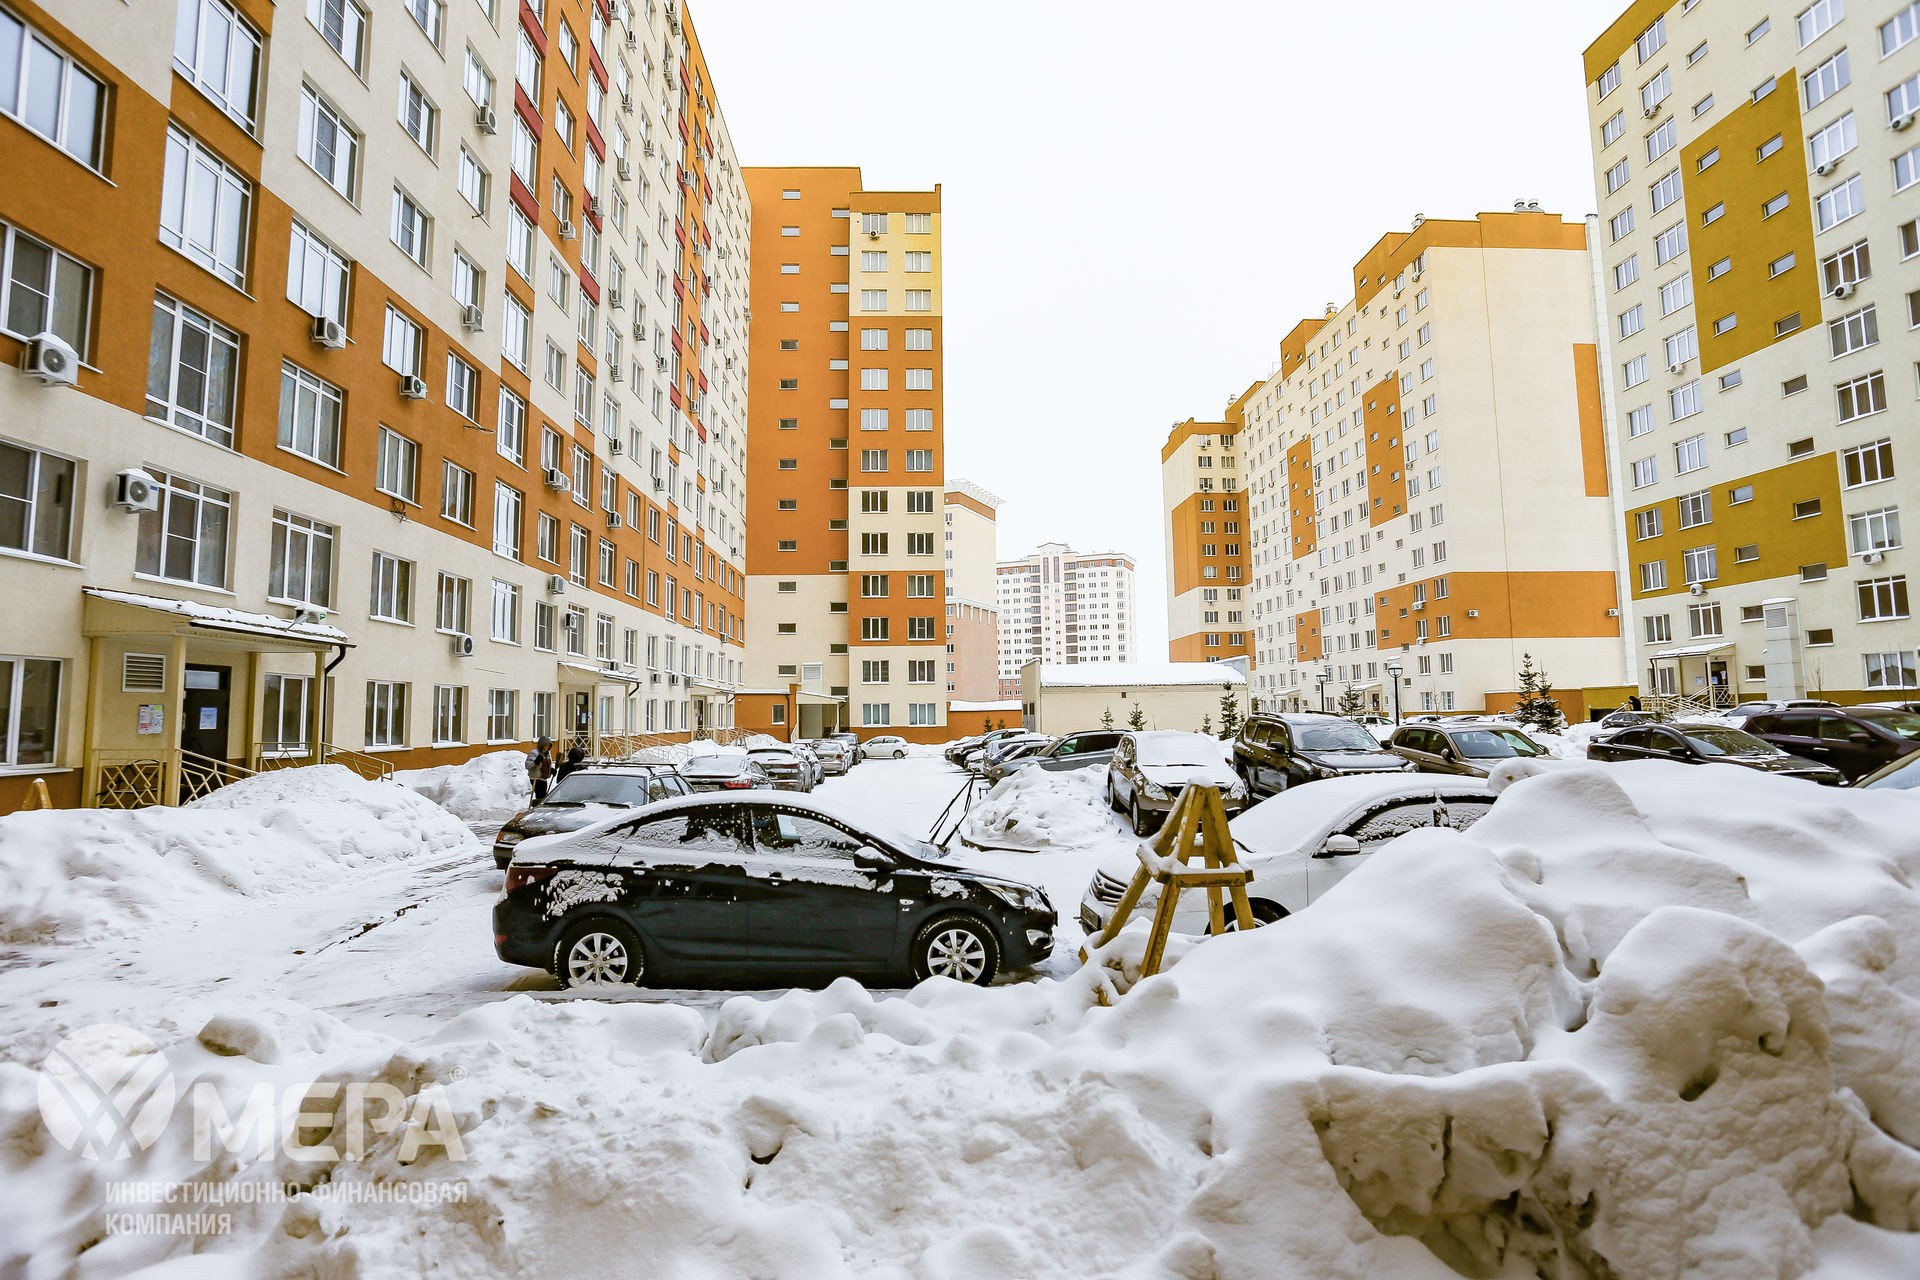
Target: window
column 185, row 540
column 1861, row 397
column 919, row 339
column 43, row 289
column 1655, row 91
column 1704, row 620
column 1621, row 224
column 1666, row 190
column 316, row 276
column 1877, row 530
column 449, row 702
column 193, row 375
column 919, row 224
column 477, row 80
column 507, row 504
column 1867, row 464
column 204, row 208
column 1652, row 40
column 1634, row 372
column 1826, row 80
column 1852, row 332
column 301, row 567
column 1898, row 31
column 1714, row 214
column 1738, row 494
column 1835, row 205
column 397, row 467
column 1670, row 244
column 502, row 708
column 428, row 13
column 919, row 460
column 473, row 181
column 343, row 25
column 48, row 93
column 1645, row 471
column 1773, row 205
column 36, row 502
column 1825, row 148
column 456, row 492
column 873, row 459
column 402, row 343
column 1700, row 564
column 310, row 413
column 873, row 299
column 1849, row 266
column 919, row 379
column 504, row 621
column 1647, row 524
column 218, row 52
column 392, row 596
column 1882, row 598
column 1609, row 81
column 1690, row 454
column 1640, row 420
column 1659, row 628
column 919, row 262
column 452, row 605
column 1695, row 509
column 329, row 145
column 1684, row 402
column 411, row 226
column 1653, row 575
column 1625, row 273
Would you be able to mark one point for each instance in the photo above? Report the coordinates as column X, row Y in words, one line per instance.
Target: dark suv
column 1274, row 752
column 1854, row 740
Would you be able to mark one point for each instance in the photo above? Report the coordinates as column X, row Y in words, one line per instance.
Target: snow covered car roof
column 793, row 802
column 1161, row 747
column 1301, row 814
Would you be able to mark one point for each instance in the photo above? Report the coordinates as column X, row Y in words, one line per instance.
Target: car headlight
column 509, row 838
column 1153, row 790
column 1018, row 896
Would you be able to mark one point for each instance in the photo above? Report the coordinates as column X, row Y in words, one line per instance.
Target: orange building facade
column 340, row 432
column 1206, row 530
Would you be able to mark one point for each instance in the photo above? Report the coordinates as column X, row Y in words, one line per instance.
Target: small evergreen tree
column 1352, row 703
column 1106, row 718
column 1206, row 723
column 1229, row 715
column 1136, row 718
column 1535, row 707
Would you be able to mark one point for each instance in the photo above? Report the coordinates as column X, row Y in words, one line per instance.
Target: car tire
column 600, row 952
column 957, row 947
column 1142, row 824
column 1264, row 913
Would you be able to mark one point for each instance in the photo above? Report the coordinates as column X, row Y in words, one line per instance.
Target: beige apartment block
column 375, row 388
column 1758, row 175
column 1207, row 532
column 1063, row 606
column 973, row 616
column 846, row 559
column 1428, row 482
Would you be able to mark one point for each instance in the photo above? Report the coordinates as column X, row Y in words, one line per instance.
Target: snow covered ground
column 1640, row 1021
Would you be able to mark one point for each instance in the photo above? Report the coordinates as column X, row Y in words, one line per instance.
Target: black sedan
column 767, row 885
column 581, row 800
column 1691, row 742
column 725, row 771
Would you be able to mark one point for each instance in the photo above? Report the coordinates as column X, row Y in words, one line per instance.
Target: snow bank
column 678, row 753
column 488, row 788
column 1643, row 1021
column 1036, row 809
column 73, row 876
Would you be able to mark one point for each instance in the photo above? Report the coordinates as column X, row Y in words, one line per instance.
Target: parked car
column 1624, row 716
column 1762, row 706
column 888, row 746
column 957, row 752
column 766, row 885
column 1303, row 842
column 1277, row 751
column 1469, row 748
column 1151, row 767
column 834, row 756
column 1072, row 751
column 1854, row 740
column 994, row 752
column 1704, row 742
column 1012, row 756
column 815, row 770
column 725, row 771
column 1901, row 774
column 851, row 741
column 788, row 769
column 581, row 799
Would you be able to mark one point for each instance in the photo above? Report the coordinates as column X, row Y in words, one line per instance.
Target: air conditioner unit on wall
column 1844, row 289
column 134, row 490
column 472, row 319
column 557, row 480
column 462, row 646
column 485, row 120
column 328, row 332
column 413, row 387
column 49, row 360
column 556, row 584
column 1873, row 557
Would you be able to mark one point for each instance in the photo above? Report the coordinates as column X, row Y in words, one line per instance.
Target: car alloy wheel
column 1264, row 913
column 600, row 953
column 955, row 947
column 1142, row 824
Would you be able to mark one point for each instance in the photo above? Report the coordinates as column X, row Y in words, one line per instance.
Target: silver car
column 1072, row 751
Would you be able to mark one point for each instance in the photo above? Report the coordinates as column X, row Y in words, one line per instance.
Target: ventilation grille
column 143, row 673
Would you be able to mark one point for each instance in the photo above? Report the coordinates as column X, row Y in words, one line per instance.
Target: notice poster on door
column 151, row 720
column 209, row 717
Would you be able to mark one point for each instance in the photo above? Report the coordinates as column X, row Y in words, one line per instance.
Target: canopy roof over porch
column 1696, row 650
column 127, row 613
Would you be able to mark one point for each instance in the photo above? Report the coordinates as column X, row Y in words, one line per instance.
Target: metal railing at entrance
column 135, row 778
column 269, row 756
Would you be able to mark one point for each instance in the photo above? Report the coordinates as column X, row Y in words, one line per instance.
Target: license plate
column 1089, row 921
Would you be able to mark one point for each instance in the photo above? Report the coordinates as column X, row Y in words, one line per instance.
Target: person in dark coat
column 540, row 768
column 575, row 755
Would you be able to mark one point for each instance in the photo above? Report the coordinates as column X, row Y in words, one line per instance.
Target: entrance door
column 583, row 720
column 203, row 727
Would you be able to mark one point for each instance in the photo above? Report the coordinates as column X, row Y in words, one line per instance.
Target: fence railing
column 269, row 756
column 133, row 778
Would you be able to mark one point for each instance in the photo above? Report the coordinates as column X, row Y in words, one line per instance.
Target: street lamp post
column 1324, row 678
column 1393, row 670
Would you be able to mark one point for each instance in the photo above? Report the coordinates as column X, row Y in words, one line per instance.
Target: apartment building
column 1759, row 185
column 377, row 386
column 1207, row 533
column 973, row 614
column 1063, row 606
column 1427, row 477
column 845, row 562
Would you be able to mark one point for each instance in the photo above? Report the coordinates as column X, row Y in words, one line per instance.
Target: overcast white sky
column 1140, row 199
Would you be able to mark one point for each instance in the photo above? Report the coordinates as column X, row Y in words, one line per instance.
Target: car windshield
column 1904, row 723
column 598, row 788
column 1902, row 775
column 714, row 766
column 1179, row 749
column 1727, row 742
column 1335, row 737
column 768, row 753
column 1494, row 744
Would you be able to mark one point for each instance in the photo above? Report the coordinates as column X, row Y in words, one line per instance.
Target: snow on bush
column 488, row 788
column 81, row 875
column 1640, row 1021
column 1036, row 809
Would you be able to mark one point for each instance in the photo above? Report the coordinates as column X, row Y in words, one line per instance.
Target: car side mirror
column 1860, row 738
column 1338, row 846
column 868, row 858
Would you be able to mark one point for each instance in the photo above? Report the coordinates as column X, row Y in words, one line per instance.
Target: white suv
column 888, row 746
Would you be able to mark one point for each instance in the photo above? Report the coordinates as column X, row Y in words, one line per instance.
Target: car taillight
column 526, row 877
column 738, row 784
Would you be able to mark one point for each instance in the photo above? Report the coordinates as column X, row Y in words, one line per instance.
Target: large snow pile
column 1034, row 809
column 488, row 788
column 1642, row 1021
column 80, row 875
